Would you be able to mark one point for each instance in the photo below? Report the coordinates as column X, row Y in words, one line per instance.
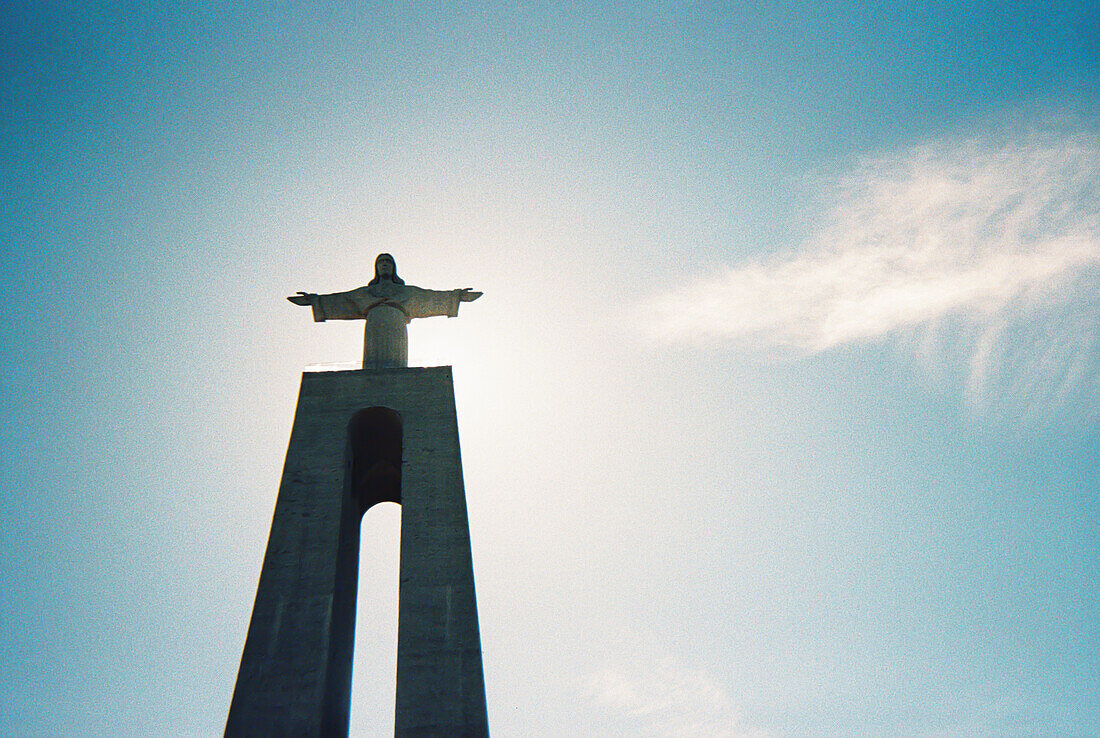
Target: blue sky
column 779, row 414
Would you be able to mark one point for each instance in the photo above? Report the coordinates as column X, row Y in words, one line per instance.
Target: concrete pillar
column 295, row 674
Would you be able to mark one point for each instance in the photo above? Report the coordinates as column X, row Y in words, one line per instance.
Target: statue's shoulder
column 360, row 292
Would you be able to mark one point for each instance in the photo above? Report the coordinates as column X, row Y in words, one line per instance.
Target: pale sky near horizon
column 779, row 416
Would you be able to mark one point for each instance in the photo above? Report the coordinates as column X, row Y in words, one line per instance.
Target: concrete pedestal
column 362, row 437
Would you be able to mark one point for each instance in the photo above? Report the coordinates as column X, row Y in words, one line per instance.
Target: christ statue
column 387, row 305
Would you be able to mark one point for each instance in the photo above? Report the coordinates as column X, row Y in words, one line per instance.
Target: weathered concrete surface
column 295, row 674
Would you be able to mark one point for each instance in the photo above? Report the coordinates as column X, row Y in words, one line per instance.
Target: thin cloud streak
column 990, row 245
column 667, row 699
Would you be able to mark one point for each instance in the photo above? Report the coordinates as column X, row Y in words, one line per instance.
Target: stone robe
column 386, row 308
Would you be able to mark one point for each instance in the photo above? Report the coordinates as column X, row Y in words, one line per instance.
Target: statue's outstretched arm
column 338, row 306
column 421, row 303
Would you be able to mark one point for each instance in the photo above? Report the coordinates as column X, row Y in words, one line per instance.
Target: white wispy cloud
column 985, row 250
column 667, row 699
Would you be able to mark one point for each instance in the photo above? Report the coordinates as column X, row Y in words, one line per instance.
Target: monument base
column 362, row 437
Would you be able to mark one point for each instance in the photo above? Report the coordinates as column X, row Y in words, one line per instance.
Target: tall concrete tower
column 383, row 433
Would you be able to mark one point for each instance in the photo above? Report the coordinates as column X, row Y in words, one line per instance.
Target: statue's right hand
column 302, row 298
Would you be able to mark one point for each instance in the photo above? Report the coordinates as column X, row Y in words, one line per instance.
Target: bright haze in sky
column 779, row 415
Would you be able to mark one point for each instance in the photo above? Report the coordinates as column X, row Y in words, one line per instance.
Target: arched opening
column 374, row 476
column 374, row 447
column 374, row 683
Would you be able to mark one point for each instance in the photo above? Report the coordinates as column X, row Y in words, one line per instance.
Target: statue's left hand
column 467, row 294
column 302, row 298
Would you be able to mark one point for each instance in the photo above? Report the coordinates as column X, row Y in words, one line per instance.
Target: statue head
column 385, row 270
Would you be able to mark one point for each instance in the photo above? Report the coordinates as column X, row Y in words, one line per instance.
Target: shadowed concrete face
column 359, row 438
column 374, row 449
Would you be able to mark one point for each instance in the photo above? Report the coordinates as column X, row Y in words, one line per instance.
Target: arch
column 374, row 457
column 374, row 666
